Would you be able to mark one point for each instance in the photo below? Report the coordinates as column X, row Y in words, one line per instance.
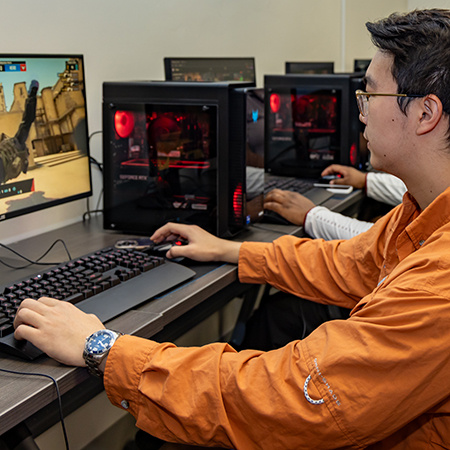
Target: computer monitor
column 361, row 65
column 176, row 151
column 309, row 67
column 311, row 122
column 44, row 144
column 210, row 69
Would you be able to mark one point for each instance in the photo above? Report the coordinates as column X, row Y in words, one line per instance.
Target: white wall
column 125, row 40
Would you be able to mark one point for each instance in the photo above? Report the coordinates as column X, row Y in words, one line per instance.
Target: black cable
column 61, row 415
column 37, row 261
column 88, row 213
column 92, row 160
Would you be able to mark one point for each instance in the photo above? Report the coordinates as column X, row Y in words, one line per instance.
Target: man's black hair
column 420, row 44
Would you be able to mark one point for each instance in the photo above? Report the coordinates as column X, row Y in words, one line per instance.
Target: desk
column 23, row 396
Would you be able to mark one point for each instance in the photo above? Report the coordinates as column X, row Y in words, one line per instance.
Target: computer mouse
column 163, row 247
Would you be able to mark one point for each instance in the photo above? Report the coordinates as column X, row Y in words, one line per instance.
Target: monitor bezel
column 60, row 201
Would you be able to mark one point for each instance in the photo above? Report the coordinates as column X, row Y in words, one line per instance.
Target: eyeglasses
column 362, row 98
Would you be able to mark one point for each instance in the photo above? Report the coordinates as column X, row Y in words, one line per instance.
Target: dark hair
column 420, row 44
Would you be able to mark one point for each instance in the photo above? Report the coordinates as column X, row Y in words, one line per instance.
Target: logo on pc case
column 255, row 115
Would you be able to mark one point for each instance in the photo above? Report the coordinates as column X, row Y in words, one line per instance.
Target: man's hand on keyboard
column 290, row 205
column 202, row 246
column 56, row 327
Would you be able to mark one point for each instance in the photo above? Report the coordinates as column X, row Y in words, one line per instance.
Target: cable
column 61, row 416
column 92, row 160
column 37, row 261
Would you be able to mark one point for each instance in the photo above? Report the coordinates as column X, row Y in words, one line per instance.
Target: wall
column 128, row 40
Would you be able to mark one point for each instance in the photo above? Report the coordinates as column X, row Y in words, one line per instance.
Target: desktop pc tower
column 182, row 152
column 312, row 121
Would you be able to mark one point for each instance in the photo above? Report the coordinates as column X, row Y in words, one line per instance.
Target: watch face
column 100, row 342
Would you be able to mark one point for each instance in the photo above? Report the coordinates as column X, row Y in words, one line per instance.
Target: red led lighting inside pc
column 237, row 201
column 124, row 123
column 275, row 102
column 353, row 154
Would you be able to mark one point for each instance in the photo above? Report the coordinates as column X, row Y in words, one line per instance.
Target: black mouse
column 163, row 247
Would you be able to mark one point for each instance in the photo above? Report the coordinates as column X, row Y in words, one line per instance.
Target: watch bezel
column 92, row 341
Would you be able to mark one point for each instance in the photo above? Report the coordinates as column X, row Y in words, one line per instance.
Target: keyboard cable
column 61, row 415
column 37, row 261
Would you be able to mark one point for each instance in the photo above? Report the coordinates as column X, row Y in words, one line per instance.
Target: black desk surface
column 21, row 396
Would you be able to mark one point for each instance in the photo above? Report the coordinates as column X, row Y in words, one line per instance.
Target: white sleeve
column 385, row 188
column 322, row 223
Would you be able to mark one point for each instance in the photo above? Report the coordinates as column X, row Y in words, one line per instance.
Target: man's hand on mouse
column 202, row 246
column 348, row 175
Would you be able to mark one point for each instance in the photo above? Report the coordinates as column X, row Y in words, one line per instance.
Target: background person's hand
column 290, row 205
column 349, row 175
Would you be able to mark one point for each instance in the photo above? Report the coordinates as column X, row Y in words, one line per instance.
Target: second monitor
column 210, row 69
column 310, row 67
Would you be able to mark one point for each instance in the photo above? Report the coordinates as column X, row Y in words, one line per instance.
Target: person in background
column 319, row 221
column 378, row 380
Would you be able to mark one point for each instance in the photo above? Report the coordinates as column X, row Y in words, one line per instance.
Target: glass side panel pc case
column 312, row 121
column 44, row 154
column 178, row 152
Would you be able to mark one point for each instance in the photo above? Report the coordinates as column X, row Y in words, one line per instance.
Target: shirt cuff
column 123, row 371
column 306, row 215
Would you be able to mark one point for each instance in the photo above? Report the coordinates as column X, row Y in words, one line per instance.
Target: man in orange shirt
column 376, row 380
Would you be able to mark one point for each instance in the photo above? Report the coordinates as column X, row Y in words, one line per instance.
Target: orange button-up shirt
column 379, row 380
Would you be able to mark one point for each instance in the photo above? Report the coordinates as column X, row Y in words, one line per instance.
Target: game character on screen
column 13, row 151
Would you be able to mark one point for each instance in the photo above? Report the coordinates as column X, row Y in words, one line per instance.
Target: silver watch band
column 93, row 361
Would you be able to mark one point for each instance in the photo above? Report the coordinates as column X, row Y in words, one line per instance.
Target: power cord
column 61, row 415
column 37, row 261
column 92, row 160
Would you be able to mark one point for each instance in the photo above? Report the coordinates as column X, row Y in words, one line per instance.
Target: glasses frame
column 362, row 99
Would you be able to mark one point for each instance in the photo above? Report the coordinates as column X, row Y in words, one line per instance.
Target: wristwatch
column 97, row 347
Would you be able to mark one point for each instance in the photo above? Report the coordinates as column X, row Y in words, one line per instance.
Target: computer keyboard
column 106, row 283
column 299, row 185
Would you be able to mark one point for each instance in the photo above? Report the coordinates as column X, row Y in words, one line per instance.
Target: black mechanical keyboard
column 289, row 184
column 302, row 186
column 106, row 283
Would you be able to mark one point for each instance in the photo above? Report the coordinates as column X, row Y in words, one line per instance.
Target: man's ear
column 431, row 113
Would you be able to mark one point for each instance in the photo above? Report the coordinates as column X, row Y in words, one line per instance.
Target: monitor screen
column 44, row 144
column 210, row 69
column 309, row 67
column 361, row 65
